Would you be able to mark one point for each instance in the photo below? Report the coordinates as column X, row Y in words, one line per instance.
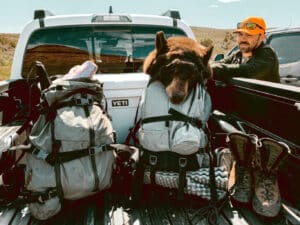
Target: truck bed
column 100, row 210
column 111, row 208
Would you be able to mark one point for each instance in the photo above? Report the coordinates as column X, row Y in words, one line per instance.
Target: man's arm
column 260, row 66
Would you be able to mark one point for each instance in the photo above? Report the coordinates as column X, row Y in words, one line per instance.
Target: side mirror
column 218, row 57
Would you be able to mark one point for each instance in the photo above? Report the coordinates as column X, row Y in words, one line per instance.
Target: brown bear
column 174, row 111
column 179, row 63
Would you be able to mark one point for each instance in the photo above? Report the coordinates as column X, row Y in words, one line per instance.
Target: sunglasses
column 248, row 26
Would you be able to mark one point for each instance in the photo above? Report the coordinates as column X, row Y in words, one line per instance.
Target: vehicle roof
column 280, row 30
column 166, row 19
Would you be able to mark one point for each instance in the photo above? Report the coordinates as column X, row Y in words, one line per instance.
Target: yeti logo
column 119, row 102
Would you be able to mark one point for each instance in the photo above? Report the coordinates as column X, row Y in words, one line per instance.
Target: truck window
column 287, row 47
column 115, row 49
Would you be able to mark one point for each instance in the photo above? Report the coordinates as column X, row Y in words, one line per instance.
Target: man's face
column 248, row 42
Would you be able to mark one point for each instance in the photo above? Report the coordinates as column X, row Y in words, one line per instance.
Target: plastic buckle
column 90, row 101
column 48, row 195
column 153, row 160
column 78, row 101
column 52, row 193
column 196, row 122
column 91, row 150
column 182, row 162
column 41, row 200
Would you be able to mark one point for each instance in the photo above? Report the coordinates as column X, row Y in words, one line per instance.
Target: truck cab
column 117, row 43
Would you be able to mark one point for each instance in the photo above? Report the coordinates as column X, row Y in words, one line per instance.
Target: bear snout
column 177, row 97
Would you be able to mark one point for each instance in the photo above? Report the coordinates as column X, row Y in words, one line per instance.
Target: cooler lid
column 123, row 81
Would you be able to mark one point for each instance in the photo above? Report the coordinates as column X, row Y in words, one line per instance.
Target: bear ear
column 161, row 43
column 207, row 56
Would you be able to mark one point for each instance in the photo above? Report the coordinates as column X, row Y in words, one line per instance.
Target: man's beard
column 245, row 47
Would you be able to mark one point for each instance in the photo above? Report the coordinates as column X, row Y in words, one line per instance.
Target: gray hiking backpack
column 174, row 145
column 70, row 158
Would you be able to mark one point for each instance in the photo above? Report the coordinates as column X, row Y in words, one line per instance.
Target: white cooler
column 123, row 93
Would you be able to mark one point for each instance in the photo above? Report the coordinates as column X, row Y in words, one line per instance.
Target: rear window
column 115, row 49
column 286, row 46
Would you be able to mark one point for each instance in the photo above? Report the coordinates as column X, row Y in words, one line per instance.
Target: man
column 254, row 58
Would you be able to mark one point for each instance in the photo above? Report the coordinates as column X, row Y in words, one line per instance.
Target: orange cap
column 252, row 26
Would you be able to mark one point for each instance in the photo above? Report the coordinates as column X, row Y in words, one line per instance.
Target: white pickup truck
column 118, row 44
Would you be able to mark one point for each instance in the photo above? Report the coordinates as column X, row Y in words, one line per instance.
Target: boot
column 267, row 198
column 243, row 148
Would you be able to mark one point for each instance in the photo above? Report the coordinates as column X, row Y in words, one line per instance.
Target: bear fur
column 179, row 63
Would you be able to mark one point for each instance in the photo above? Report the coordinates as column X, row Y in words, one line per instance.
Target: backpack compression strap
column 63, row 157
column 44, row 108
column 27, row 196
column 174, row 116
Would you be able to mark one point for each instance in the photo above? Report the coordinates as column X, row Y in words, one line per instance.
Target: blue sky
column 14, row 14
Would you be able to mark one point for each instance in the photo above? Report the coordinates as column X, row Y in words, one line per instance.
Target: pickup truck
column 118, row 43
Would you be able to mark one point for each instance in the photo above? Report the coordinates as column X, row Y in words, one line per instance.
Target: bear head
column 179, row 63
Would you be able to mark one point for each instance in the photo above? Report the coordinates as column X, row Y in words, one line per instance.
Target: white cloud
column 228, row 1
column 213, row 6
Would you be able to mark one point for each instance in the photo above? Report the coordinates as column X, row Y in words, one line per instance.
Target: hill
column 221, row 39
column 8, row 43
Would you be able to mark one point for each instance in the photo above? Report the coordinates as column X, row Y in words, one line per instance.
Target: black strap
column 168, row 161
column 153, row 167
column 194, row 121
column 212, row 179
column 158, row 119
column 138, row 181
column 63, row 157
column 26, row 197
column 182, row 163
column 92, row 143
column 59, row 103
column 55, row 150
column 133, row 130
column 175, row 116
column 212, row 164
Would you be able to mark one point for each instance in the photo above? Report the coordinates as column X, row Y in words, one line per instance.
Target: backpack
column 70, row 158
column 174, row 142
column 175, row 128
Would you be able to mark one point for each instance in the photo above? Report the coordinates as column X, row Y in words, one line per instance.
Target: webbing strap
column 45, row 109
column 73, row 92
column 174, row 116
column 55, row 149
column 181, row 181
column 137, row 185
column 26, row 197
column 92, row 143
column 212, row 163
column 212, row 180
column 59, row 103
column 153, row 169
column 63, row 157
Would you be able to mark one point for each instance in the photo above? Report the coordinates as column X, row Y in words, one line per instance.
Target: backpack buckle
column 48, row 195
column 153, row 160
column 91, row 150
column 182, row 162
column 83, row 99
